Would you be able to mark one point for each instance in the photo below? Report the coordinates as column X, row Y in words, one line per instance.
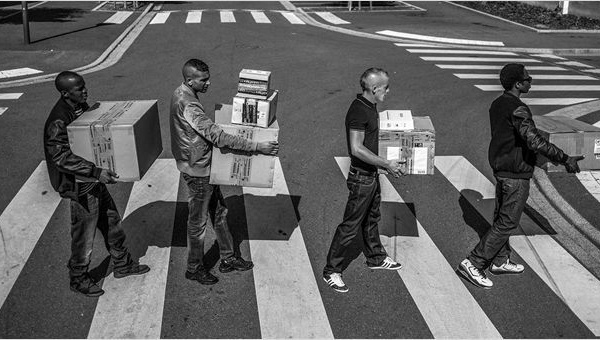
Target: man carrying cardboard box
column 512, row 155
column 193, row 134
column 91, row 204
column 362, row 209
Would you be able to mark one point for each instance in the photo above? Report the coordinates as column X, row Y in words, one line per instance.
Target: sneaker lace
column 477, row 272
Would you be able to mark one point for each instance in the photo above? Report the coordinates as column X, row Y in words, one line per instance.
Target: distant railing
column 125, row 4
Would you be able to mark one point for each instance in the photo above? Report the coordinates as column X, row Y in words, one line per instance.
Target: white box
column 394, row 120
column 254, row 112
column 123, row 136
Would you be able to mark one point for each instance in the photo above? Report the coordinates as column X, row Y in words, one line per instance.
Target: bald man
column 193, row 134
column 362, row 210
column 91, row 204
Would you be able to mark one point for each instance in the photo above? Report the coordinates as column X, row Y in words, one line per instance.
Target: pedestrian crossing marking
column 555, row 101
column 22, row 223
column 578, row 288
column 447, row 306
column 496, row 67
column 18, row 72
column 133, row 307
column 10, row 96
column 439, row 39
column 118, row 18
column 589, row 105
column 446, row 51
column 227, row 16
column 594, row 70
column 2, row 110
column 535, row 76
column 483, row 59
column 292, row 18
column 160, row 18
column 332, row 18
column 287, row 295
column 591, row 180
column 417, row 45
column 194, row 17
column 548, row 56
column 537, row 88
column 574, row 63
column 260, row 17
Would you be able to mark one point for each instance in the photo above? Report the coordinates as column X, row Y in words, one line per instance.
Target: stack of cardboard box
column 251, row 116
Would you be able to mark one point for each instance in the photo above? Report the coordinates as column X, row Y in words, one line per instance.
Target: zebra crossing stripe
column 17, row 72
column 10, row 96
column 578, row 288
column 2, row 110
column 118, row 18
column 444, row 51
column 591, row 181
column 496, row 67
column 440, row 39
column 332, row 18
column 537, row 88
column 589, row 105
column 194, row 17
column 227, row 16
column 292, row 18
column 133, row 307
column 483, row 59
column 443, row 300
column 260, row 17
column 536, row 76
column 555, row 101
column 160, row 18
column 22, row 224
column 416, row 45
column 548, row 56
column 593, row 70
column 287, row 295
column 574, row 63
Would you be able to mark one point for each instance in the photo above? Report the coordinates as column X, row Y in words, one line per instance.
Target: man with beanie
column 512, row 155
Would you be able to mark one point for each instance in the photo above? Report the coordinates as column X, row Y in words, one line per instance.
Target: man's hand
column 108, row 176
column 571, row 164
column 395, row 168
column 268, row 148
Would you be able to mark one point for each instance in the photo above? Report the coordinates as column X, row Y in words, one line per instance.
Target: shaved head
column 192, row 66
column 372, row 77
column 66, row 80
column 196, row 76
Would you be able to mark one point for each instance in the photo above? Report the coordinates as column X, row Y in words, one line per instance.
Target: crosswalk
column 288, row 292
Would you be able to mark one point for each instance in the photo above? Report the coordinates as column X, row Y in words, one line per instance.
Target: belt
column 356, row 171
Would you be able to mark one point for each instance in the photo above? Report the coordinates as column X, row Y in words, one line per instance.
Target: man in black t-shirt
column 362, row 210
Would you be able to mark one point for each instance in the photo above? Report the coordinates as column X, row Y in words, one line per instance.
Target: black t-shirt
column 362, row 115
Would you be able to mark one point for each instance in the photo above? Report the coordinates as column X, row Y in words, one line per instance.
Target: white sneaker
column 388, row 264
column 334, row 280
column 471, row 273
column 507, row 267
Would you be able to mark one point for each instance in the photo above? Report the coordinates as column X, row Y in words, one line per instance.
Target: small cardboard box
column 123, row 136
column 254, row 83
column 415, row 146
column 232, row 167
column 396, row 120
column 574, row 137
column 254, row 112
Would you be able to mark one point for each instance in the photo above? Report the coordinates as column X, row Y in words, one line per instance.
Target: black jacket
column 62, row 164
column 515, row 139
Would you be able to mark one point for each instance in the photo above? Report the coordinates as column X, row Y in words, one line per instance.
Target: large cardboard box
column 254, row 112
column 237, row 168
column 415, row 146
column 574, row 137
column 123, row 136
column 254, row 83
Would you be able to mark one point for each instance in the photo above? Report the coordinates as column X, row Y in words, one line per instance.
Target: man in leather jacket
column 512, row 155
column 91, row 204
column 193, row 134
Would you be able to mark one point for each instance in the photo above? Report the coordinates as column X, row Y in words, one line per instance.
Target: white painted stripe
column 417, row 45
column 440, row 39
column 227, row 16
column 2, row 110
column 536, row 88
column 194, row 17
column 160, row 18
column 292, row 18
column 17, row 72
column 287, row 295
column 118, row 18
column 555, row 101
column 561, row 272
column 574, row 63
column 483, row 59
column 445, row 303
column 535, row 76
column 442, row 51
column 591, row 180
column 10, row 96
column 22, row 224
column 548, row 56
column 593, row 70
column 99, row 6
column 133, row 307
column 496, row 67
column 597, row 124
column 260, row 17
column 332, row 18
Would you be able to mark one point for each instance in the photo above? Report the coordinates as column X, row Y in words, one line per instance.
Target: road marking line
column 160, row 18
column 10, row 96
column 591, row 181
column 99, row 6
column 2, row 110
column 260, row 17
column 439, row 39
column 536, row 76
column 547, row 56
column 194, row 17
column 227, row 16
column 536, row 88
column 445, row 303
column 440, row 51
column 579, row 289
column 496, row 67
column 482, row 59
column 332, row 18
column 292, row 18
column 417, row 45
column 133, row 307
column 574, row 63
column 22, row 223
column 118, row 18
column 594, row 70
column 17, row 72
column 555, row 101
column 287, row 295
column 577, row 110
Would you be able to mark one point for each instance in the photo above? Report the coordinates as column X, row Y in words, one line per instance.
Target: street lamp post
column 25, row 22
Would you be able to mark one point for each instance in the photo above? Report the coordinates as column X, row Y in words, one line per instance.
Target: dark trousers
column 205, row 203
column 93, row 211
column 494, row 248
column 361, row 214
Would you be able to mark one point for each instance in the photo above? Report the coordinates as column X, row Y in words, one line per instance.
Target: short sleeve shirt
column 362, row 115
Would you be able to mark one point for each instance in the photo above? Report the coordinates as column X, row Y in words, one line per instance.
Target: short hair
column 368, row 73
column 61, row 79
column 511, row 74
column 196, row 64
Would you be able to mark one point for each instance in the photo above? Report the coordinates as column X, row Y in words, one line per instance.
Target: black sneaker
column 132, row 268
column 203, row 276
column 235, row 263
column 334, row 280
column 86, row 286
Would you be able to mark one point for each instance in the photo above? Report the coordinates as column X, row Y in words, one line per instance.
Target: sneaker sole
column 374, row 268
column 120, row 276
column 229, row 270
column 506, row 273
column 462, row 274
column 88, row 295
column 336, row 289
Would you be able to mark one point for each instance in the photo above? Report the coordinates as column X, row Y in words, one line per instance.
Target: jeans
column 91, row 211
column 494, row 248
column 205, row 201
column 361, row 214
